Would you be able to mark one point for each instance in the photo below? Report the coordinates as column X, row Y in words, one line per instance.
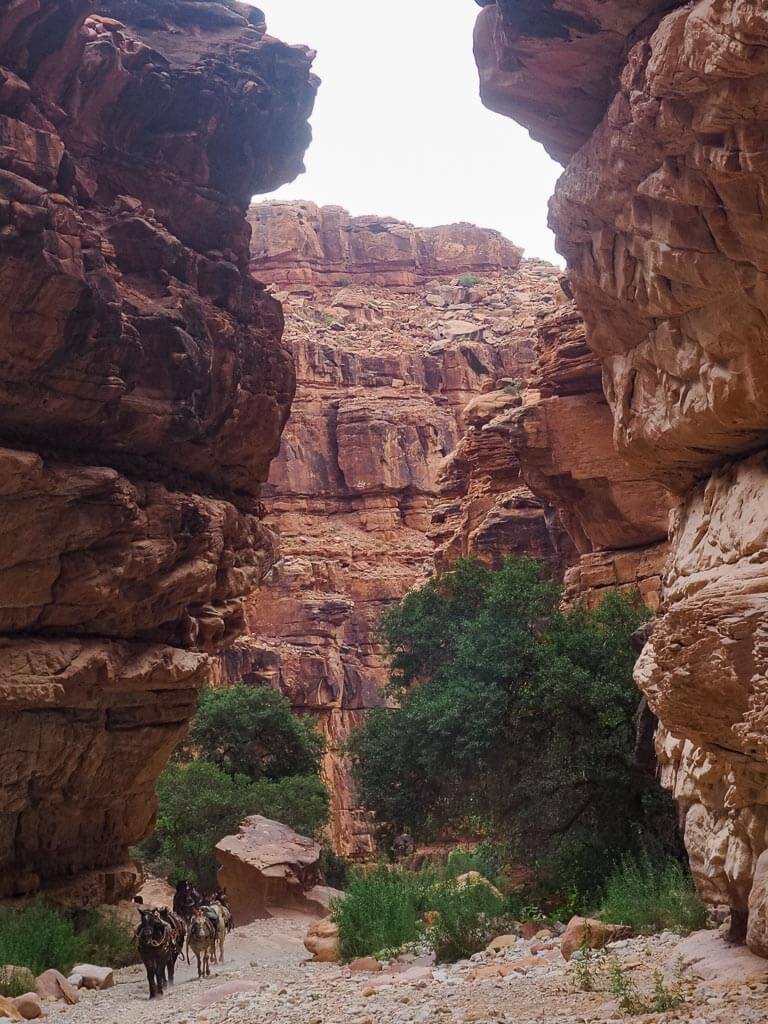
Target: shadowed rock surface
column 143, row 390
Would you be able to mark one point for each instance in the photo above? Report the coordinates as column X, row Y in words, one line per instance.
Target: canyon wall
column 143, row 388
column 658, row 109
column 389, row 348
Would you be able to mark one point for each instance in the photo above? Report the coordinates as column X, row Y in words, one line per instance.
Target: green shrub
column 652, row 895
column 38, row 938
column 251, row 731
column 104, row 937
column 15, row 981
column 335, row 869
column 379, row 911
column 465, row 920
column 469, row 280
column 633, row 1001
column 299, row 801
column 383, row 910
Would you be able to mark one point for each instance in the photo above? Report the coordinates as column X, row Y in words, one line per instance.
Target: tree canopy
column 513, row 715
column 252, row 731
column 246, row 753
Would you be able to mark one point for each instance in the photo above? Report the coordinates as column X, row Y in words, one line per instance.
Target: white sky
column 399, row 129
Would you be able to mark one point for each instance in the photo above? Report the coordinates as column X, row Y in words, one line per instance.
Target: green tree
column 513, row 712
column 246, row 753
column 252, row 731
column 200, row 804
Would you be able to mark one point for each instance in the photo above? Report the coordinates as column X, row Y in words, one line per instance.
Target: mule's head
column 199, row 926
column 151, row 926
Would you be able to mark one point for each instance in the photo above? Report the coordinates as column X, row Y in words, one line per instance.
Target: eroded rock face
column 549, row 446
column 385, row 371
column 661, row 216
column 550, row 64
column 563, row 437
column 143, row 390
column 266, row 865
column 303, row 243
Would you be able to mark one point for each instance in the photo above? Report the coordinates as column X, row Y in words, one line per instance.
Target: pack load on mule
column 206, row 933
column 160, row 936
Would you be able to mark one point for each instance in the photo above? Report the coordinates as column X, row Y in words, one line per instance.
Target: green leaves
column 200, row 804
column 246, row 753
column 252, row 731
column 511, row 710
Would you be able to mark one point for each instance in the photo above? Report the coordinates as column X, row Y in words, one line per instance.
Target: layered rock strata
column 661, row 215
column 302, row 243
column 385, row 368
column 143, row 391
column 554, row 440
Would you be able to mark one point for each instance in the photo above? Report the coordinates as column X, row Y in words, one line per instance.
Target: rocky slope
column 143, row 391
column 389, row 350
column 661, row 215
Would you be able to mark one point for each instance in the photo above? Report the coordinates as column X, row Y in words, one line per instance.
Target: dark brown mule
column 156, row 949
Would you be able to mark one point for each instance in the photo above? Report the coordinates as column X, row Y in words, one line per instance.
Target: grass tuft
column 38, row 938
column 652, row 895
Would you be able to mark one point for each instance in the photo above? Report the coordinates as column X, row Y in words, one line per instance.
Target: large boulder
column 268, row 865
column 590, row 933
column 95, row 977
column 52, row 984
column 322, row 941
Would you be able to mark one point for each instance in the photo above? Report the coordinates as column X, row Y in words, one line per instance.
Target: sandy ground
column 529, row 983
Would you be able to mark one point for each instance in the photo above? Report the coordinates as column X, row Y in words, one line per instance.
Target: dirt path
column 529, row 983
column 267, row 952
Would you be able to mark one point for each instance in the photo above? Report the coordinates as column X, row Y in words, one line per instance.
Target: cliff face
column 389, row 349
column 556, row 439
column 661, row 215
column 143, row 390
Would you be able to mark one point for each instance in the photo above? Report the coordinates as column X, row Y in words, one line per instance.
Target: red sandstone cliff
column 389, row 349
column 143, row 391
column 658, row 109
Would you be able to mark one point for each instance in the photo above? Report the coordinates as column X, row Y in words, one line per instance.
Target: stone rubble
column 266, row 979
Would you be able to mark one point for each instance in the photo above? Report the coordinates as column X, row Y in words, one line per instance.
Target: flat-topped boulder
column 267, row 865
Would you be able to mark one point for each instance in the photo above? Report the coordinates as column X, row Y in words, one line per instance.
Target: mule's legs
column 151, row 979
column 171, row 968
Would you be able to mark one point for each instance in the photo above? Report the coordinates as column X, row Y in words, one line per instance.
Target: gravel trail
column 528, row 983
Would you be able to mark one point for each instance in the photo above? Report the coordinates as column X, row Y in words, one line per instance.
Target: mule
column 218, row 915
column 178, row 935
column 156, row 949
column 186, row 900
column 201, row 939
